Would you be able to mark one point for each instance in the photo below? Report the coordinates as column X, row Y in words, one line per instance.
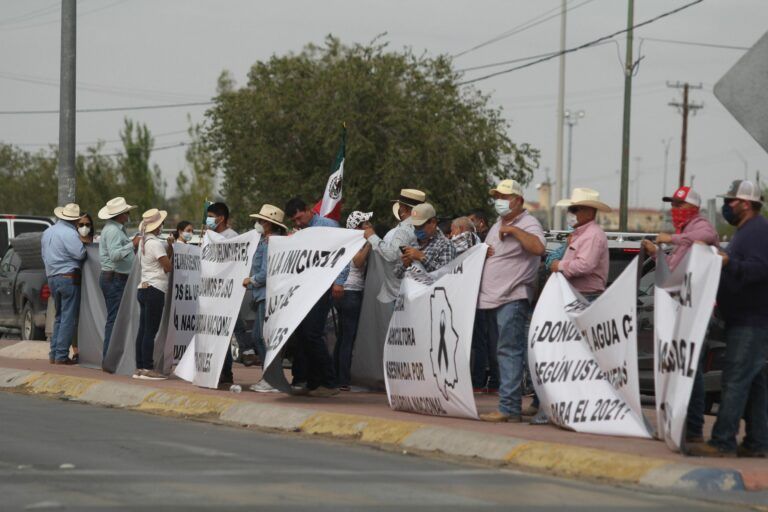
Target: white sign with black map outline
column 427, row 350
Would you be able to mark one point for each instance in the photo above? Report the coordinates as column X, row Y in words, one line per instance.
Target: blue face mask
column 421, row 234
column 729, row 215
column 210, row 222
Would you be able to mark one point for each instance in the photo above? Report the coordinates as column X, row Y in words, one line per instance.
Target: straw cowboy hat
column 114, row 208
column 69, row 212
column 585, row 197
column 409, row 197
column 271, row 214
column 152, row 219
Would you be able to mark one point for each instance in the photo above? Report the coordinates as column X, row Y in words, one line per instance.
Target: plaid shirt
column 438, row 252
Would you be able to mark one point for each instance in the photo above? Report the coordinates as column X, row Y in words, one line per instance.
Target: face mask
column 501, row 206
column 258, row 228
column 682, row 216
column 571, row 220
column 421, row 234
column 186, row 235
column 729, row 215
column 84, row 230
column 210, row 222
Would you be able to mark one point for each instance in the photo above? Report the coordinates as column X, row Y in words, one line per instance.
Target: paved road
column 65, row 455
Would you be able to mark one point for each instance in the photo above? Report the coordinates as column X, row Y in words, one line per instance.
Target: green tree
column 410, row 124
column 195, row 188
column 138, row 181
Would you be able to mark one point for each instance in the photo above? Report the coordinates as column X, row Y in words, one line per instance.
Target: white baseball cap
column 745, row 190
column 686, row 195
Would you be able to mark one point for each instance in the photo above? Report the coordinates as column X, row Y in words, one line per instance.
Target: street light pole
column 572, row 118
column 667, row 142
column 629, row 67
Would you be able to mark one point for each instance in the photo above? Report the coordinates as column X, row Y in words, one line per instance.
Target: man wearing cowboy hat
column 401, row 236
column 116, row 254
column 63, row 254
column 269, row 220
column 585, row 262
column 516, row 243
column 742, row 299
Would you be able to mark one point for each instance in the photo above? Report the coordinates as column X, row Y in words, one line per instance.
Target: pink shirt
column 510, row 273
column 585, row 262
column 697, row 229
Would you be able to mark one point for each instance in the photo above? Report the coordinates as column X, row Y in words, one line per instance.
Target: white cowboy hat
column 409, row 197
column 585, row 197
column 271, row 214
column 151, row 220
column 114, row 208
column 69, row 212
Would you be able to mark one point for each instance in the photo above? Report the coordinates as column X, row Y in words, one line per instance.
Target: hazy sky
column 143, row 52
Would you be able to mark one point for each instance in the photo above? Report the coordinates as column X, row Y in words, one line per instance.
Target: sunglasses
column 83, row 225
column 574, row 209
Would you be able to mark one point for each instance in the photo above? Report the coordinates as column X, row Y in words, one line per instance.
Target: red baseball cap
column 685, row 194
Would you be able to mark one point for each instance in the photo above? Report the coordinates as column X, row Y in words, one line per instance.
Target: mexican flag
column 330, row 205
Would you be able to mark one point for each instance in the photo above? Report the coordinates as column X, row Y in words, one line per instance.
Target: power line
column 108, row 109
column 57, row 20
column 520, row 59
column 581, row 47
column 89, row 143
column 159, row 148
column 31, row 14
column 533, row 22
column 694, row 43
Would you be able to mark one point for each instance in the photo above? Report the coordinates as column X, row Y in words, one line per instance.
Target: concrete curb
column 557, row 459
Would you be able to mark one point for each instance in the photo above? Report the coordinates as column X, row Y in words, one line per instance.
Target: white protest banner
column 300, row 269
column 426, row 353
column 224, row 263
column 583, row 357
column 683, row 305
column 186, row 281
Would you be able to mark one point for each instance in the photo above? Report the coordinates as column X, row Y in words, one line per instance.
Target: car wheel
column 29, row 331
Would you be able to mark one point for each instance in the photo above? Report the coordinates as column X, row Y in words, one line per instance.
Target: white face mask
column 84, row 231
column 258, row 228
column 571, row 220
column 501, row 206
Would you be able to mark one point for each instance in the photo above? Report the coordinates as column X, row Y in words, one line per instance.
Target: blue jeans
column 311, row 345
column 507, row 329
column 112, row 289
column 349, row 307
column 744, row 392
column 151, row 303
column 257, row 333
column 66, row 295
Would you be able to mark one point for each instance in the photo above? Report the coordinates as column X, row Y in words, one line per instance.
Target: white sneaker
column 138, row 374
column 262, row 387
column 152, row 375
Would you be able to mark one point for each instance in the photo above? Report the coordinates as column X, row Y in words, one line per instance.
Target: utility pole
column 560, row 117
column 572, row 118
column 629, row 67
column 686, row 108
column 66, row 168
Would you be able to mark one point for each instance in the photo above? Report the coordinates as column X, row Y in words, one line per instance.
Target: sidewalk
column 368, row 418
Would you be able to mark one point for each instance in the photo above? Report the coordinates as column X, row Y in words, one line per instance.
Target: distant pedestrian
column 63, row 254
column 350, row 304
column 463, row 235
column 85, row 228
column 116, row 254
column 742, row 299
column 480, row 219
column 506, row 291
column 155, row 258
column 269, row 221
column 431, row 250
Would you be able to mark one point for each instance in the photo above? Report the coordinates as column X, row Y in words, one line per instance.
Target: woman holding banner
column 155, row 265
column 269, row 221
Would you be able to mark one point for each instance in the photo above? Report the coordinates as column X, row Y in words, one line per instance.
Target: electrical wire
column 108, row 109
column 581, row 47
column 694, row 43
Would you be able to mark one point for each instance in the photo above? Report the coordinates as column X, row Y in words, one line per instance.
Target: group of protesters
column 419, row 245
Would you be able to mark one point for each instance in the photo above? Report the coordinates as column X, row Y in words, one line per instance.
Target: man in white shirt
column 401, row 236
